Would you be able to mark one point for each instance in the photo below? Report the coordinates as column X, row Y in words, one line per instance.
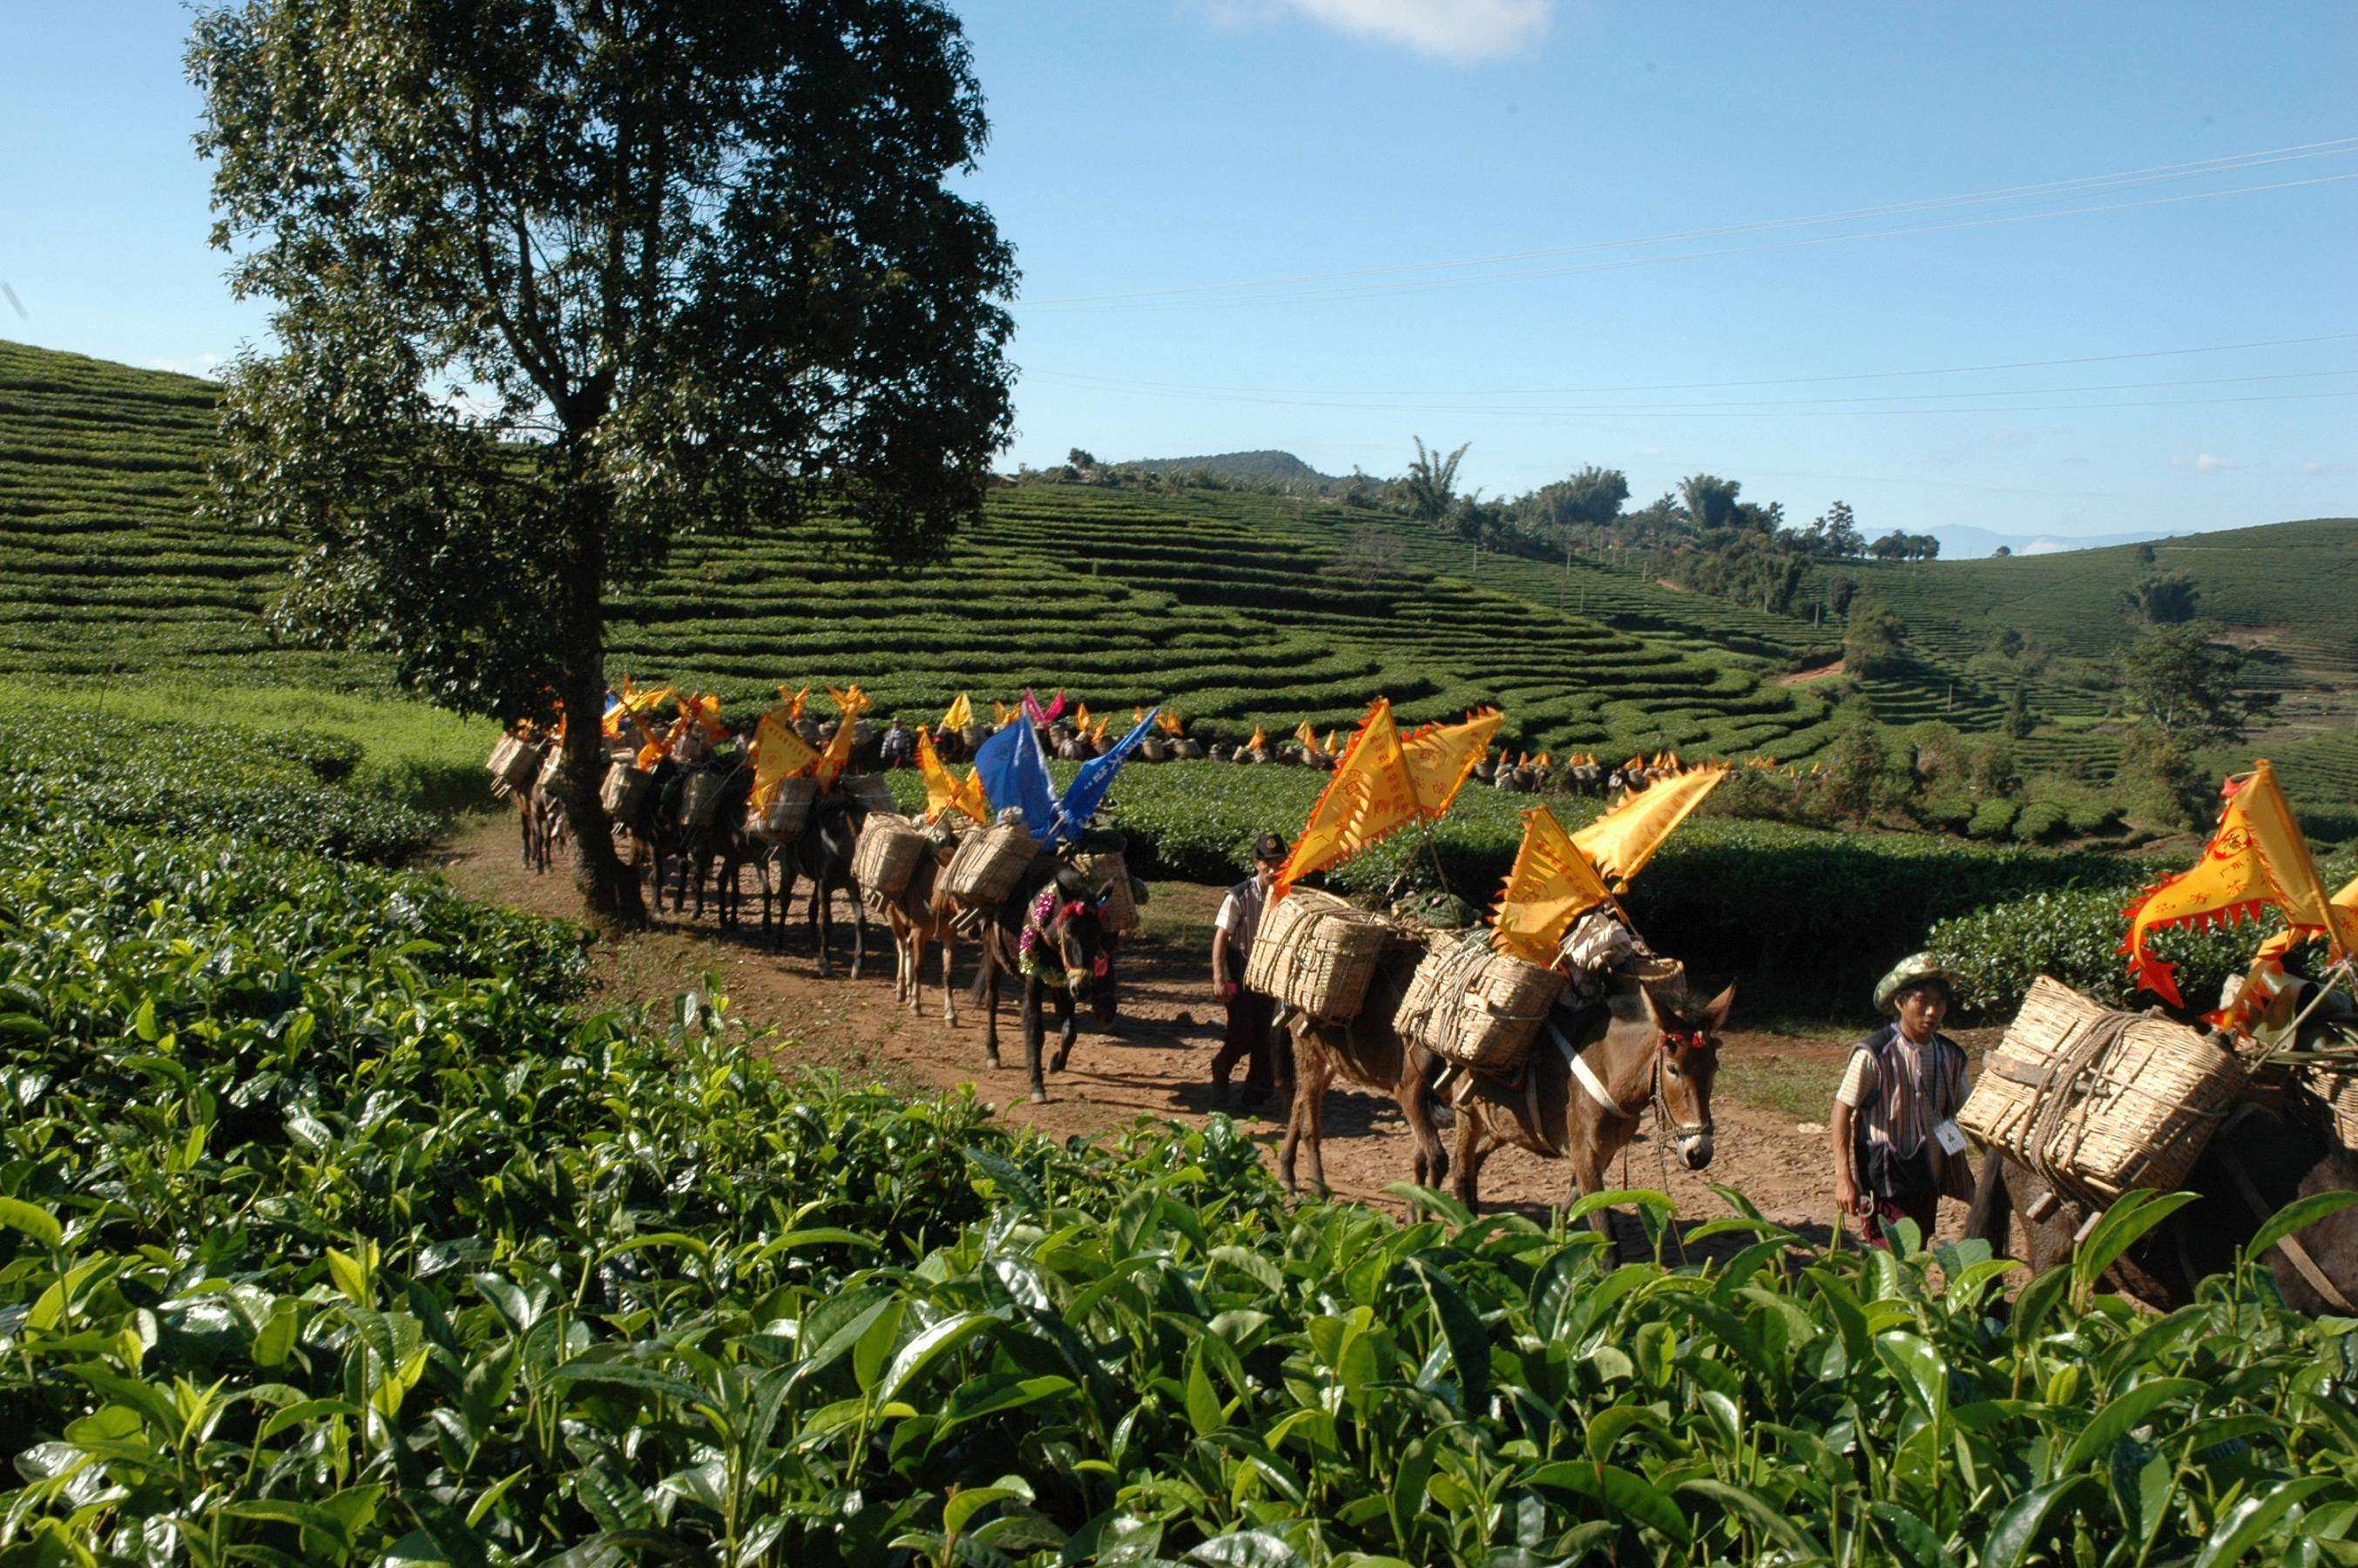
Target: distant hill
column 1962, row 541
column 1252, row 468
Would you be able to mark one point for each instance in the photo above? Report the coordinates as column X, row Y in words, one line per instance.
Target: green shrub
column 2040, row 820
column 2093, row 816
column 1992, row 818
column 1948, row 813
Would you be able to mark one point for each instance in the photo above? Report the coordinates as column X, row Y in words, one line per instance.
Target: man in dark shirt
column 1250, row 1011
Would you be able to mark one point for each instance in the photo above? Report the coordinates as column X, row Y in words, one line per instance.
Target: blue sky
column 1730, row 227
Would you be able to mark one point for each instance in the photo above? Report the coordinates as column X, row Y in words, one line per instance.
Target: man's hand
column 1846, row 1194
column 1225, row 990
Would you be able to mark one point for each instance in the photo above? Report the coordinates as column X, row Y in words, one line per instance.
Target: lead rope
column 1662, row 1151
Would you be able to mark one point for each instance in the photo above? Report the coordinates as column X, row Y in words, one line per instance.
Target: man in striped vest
column 1895, row 1145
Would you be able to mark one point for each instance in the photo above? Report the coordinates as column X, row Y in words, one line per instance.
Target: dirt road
column 1156, row 1065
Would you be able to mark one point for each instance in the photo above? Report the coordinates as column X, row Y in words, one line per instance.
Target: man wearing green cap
column 1895, row 1144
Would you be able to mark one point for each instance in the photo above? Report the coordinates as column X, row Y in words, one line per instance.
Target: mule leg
column 859, row 934
column 1309, row 1086
column 949, row 992
column 987, row 990
column 1414, row 1093
column 1466, row 1185
column 1588, row 1177
column 1032, row 1033
column 1068, row 1029
column 822, row 921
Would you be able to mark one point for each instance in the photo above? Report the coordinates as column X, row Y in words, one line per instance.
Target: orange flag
column 792, row 705
column 1440, row 757
column 1626, row 837
column 945, row 791
column 2256, row 857
column 706, row 712
column 1081, row 718
column 1553, row 883
column 850, row 702
column 1260, row 741
column 960, row 715
column 1167, row 720
column 779, row 754
column 1306, row 735
column 1367, row 796
column 837, row 755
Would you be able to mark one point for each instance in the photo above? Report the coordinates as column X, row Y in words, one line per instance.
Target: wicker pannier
column 515, row 763
column 1473, row 1006
column 869, row 792
column 625, row 793
column 989, row 864
column 700, row 799
column 787, row 816
column 552, row 770
column 1106, row 869
column 2099, row 1102
column 1154, row 748
column 887, row 854
column 1318, row 953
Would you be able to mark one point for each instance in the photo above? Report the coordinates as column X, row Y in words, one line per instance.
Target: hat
column 1269, row 847
column 1914, row 970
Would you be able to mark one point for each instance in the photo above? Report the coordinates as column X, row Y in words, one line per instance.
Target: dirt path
column 1820, row 672
column 1770, row 1085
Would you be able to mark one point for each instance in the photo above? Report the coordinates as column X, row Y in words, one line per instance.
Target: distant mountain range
column 1962, row 541
column 1254, row 468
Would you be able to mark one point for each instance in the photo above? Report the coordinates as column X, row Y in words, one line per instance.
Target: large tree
column 1432, row 481
column 553, row 280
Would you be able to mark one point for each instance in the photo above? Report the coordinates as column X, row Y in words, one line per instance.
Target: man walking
column 1895, row 1145
column 1250, row 1011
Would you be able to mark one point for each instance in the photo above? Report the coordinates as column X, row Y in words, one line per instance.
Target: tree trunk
column 609, row 890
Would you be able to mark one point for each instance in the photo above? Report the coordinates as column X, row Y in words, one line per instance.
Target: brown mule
column 1640, row 1050
column 923, row 914
column 1368, row 1052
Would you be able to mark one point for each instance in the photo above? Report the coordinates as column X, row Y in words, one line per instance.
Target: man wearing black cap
column 1250, row 1011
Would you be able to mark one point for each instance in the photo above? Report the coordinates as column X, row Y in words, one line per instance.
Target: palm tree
column 1432, row 481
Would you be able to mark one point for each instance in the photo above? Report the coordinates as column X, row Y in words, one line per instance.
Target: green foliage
column 2040, row 820
column 2184, row 685
column 1993, row 819
column 1876, row 643
column 191, row 778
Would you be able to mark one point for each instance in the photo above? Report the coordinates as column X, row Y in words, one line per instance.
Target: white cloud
column 1461, row 31
column 2201, row 462
column 2329, row 468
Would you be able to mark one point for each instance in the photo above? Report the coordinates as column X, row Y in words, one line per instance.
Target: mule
column 2276, row 1147
column 822, row 857
column 722, row 838
column 1370, row 1051
column 1074, row 961
column 540, row 818
column 1645, row 1047
column 923, row 914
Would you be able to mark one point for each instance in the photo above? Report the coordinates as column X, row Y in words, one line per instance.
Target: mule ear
column 1654, row 1018
column 1714, row 1016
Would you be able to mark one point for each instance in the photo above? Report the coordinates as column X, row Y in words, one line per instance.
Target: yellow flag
column 1626, row 837
column 1440, row 757
column 1168, row 721
column 1307, row 736
column 960, row 715
column 1552, row 884
column 779, row 754
column 1259, row 741
column 945, row 791
column 850, row 702
column 1369, row 795
column 2256, row 856
column 705, row 713
column 837, row 755
column 1328, row 746
column 1081, row 718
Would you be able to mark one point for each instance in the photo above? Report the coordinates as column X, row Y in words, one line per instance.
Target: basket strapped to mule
column 1107, row 870
column 1154, row 748
column 989, row 865
column 886, row 856
column 699, row 800
column 869, row 792
column 515, row 763
column 1474, row 1007
column 552, row 770
column 625, row 793
column 1318, row 953
column 787, row 814
column 2098, row 1102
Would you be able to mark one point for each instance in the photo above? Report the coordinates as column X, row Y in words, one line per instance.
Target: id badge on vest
column 1950, row 1137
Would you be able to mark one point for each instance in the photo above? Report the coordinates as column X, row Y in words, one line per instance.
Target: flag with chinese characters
column 779, row 754
column 1366, row 796
column 1440, row 757
column 2257, row 857
column 1552, row 885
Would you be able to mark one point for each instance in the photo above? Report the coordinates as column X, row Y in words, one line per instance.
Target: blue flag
column 1088, row 790
column 1014, row 773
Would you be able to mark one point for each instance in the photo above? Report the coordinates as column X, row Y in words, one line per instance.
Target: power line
column 1373, row 290
column 1186, row 389
column 2226, row 164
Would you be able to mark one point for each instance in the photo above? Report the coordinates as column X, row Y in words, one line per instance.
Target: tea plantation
column 334, row 1228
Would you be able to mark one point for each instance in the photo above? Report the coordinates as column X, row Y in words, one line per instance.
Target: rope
column 2054, row 1100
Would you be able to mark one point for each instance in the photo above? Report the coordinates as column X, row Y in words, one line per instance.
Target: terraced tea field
column 1239, row 609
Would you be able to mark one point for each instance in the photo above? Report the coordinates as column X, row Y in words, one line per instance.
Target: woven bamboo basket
column 515, row 763
column 700, row 799
column 1477, row 1007
column 625, row 793
column 1154, row 748
column 788, row 813
column 2339, row 1089
column 869, row 792
column 1108, row 870
column 1318, row 953
column 2099, row 1102
column 551, row 769
column 887, row 854
column 989, row 864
